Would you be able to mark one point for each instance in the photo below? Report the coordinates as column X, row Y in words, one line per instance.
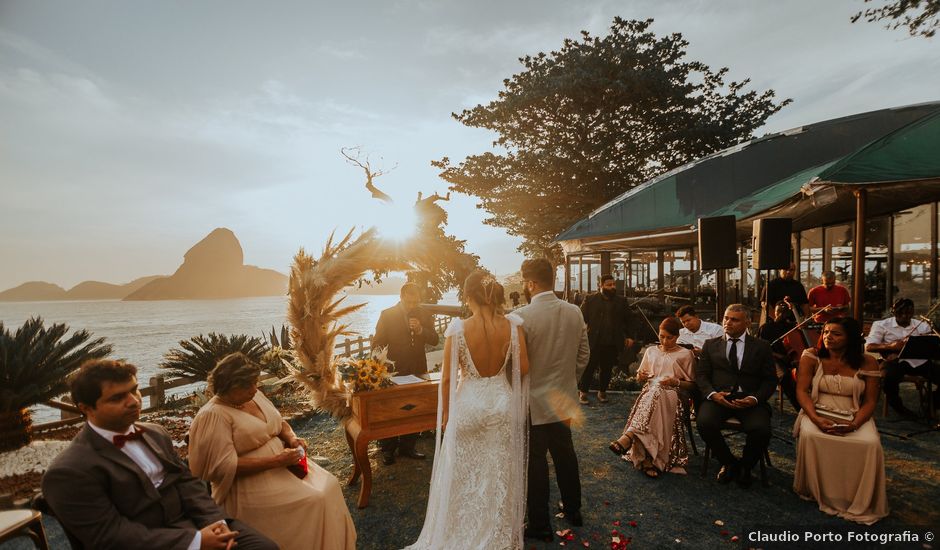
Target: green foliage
column 200, row 354
column 921, row 17
column 586, row 123
column 35, row 362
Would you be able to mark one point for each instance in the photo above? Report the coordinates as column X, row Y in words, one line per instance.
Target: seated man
column 121, row 485
column 736, row 376
column 771, row 331
column 888, row 337
column 694, row 331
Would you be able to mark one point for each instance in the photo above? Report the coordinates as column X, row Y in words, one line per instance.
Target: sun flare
column 396, row 221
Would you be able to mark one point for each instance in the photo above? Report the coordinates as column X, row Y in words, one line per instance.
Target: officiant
column 405, row 329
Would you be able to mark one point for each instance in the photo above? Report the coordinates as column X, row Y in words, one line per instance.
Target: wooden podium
column 388, row 412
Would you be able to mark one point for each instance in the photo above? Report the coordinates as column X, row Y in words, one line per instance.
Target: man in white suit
column 557, row 342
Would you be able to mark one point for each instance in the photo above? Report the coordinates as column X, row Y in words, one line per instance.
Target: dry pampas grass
column 315, row 313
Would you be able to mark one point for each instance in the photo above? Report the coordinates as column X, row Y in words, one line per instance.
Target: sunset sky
column 130, row 130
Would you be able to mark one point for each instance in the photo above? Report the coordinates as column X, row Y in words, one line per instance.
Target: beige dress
column 656, row 417
column 844, row 474
column 297, row 514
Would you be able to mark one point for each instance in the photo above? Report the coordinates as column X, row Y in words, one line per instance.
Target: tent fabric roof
column 888, row 145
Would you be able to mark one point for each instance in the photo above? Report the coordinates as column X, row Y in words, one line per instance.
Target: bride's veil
column 433, row 534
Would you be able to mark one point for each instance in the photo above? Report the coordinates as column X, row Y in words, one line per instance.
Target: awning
column 792, row 174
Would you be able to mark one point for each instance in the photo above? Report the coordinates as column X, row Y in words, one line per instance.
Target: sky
column 130, row 130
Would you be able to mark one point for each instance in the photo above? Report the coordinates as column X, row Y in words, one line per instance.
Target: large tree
column 921, row 17
column 601, row 115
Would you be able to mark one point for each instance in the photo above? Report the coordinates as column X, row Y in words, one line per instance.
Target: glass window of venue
column 876, row 266
column 644, row 272
column 838, row 245
column 618, row 268
column 811, row 257
column 912, row 258
column 677, row 274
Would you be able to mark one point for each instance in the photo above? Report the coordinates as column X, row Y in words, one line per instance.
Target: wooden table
column 23, row 523
column 388, row 412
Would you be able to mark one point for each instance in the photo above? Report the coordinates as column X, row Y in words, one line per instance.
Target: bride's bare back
column 488, row 342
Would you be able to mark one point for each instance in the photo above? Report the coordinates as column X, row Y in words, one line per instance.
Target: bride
column 477, row 496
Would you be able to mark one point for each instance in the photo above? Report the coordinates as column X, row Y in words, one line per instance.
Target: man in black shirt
column 770, row 332
column 785, row 286
column 609, row 324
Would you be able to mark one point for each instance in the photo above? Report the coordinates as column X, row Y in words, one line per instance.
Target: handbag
column 301, row 468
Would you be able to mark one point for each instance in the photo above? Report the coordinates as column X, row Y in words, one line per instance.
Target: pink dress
column 656, row 418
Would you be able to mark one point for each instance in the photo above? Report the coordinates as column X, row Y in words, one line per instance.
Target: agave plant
column 35, row 363
column 201, row 353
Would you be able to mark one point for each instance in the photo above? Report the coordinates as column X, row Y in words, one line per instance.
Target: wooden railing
column 156, row 390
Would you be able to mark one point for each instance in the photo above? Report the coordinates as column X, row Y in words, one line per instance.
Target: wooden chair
column 687, row 405
column 924, row 393
column 40, row 504
column 733, row 425
column 23, row 523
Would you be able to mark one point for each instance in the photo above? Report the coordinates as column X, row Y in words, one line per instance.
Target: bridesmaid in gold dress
column 653, row 438
column 254, row 461
column 839, row 459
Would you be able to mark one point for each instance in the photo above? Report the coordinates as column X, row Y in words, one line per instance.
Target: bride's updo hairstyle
column 483, row 289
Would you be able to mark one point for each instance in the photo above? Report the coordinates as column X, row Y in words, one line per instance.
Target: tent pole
column 858, row 262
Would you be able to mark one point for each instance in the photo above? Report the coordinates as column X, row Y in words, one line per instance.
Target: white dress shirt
column 706, row 331
column 888, row 330
column 143, row 457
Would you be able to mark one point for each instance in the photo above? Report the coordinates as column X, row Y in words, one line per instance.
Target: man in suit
column 121, row 485
column 609, row 326
column 736, row 376
column 557, row 342
column 405, row 329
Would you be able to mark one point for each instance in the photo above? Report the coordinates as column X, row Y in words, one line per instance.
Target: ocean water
column 142, row 332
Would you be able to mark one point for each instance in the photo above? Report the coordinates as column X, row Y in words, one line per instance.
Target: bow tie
column 119, row 440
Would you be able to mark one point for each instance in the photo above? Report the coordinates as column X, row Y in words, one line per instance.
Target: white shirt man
column 695, row 331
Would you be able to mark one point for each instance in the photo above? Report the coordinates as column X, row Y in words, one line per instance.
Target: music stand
column 923, row 347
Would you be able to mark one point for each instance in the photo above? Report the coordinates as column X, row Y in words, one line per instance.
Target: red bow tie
column 120, row 440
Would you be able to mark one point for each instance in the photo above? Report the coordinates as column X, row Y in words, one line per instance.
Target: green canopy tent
column 766, row 175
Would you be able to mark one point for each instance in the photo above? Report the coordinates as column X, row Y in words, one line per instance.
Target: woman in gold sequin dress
column 653, row 438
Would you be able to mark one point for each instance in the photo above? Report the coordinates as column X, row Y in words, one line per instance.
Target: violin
column 800, row 337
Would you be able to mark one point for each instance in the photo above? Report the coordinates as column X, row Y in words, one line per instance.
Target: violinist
column 785, row 287
column 836, row 297
column 772, row 331
column 888, row 337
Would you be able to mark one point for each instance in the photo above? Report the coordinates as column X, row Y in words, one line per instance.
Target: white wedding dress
column 478, row 485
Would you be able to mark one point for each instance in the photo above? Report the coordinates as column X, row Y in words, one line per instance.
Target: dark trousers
column 895, row 371
column 554, row 438
column 788, row 383
column 404, row 443
column 755, row 422
column 603, row 356
column 248, row 538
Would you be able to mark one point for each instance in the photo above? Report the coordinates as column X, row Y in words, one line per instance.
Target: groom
column 557, row 343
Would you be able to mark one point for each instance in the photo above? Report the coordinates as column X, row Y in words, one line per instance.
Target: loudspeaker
column 717, row 243
column 772, row 243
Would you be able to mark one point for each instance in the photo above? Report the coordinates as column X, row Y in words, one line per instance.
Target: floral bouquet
column 367, row 374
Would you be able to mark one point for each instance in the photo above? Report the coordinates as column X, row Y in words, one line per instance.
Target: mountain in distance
column 37, row 291
column 214, row 269
column 33, row 291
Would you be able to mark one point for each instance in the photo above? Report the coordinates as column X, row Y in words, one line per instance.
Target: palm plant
column 200, row 354
column 35, row 363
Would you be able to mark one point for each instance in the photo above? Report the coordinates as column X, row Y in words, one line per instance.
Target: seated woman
column 654, row 436
column 239, row 442
column 839, row 460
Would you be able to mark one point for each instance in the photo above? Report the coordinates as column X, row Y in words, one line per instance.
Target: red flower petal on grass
column 617, row 522
column 632, row 524
column 735, row 538
column 724, row 533
column 586, row 544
